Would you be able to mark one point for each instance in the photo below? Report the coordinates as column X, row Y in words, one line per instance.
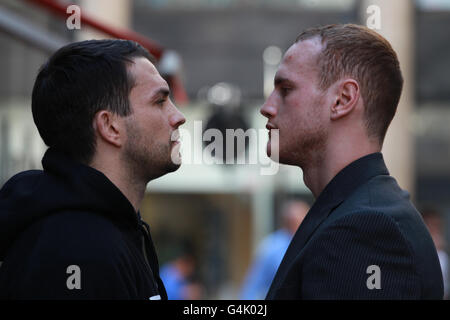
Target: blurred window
column 218, row 4
column 433, row 5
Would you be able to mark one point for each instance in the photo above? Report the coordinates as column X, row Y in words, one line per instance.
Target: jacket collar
column 338, row 189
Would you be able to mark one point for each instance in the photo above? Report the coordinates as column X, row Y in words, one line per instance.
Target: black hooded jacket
column 67, row 232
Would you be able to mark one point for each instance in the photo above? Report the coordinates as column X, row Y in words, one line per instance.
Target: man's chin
column 279, row 157
column 273, row 153
column 168, row 168
column 173, row 167
column 175, row 159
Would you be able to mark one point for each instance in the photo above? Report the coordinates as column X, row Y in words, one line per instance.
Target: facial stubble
column 147, row 159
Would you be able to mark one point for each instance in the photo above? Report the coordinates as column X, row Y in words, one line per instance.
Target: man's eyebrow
column 164, row 92
column 279, row 80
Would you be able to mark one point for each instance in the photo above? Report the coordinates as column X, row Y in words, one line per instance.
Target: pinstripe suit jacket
column 361, row 219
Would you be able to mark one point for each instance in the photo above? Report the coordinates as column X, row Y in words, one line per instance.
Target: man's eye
column 285, row 90
column 160, row 102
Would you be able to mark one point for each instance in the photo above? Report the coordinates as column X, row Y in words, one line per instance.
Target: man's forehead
column 145, row 73
column 300, row 57
column 305, row 51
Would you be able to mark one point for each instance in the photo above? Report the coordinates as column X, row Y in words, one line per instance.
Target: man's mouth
column 175, row 138
column 270, row 127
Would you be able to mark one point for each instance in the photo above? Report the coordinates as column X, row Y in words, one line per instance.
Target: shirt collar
column 350, row 178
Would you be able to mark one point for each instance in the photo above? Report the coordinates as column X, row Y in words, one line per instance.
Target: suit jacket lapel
column 316, row 215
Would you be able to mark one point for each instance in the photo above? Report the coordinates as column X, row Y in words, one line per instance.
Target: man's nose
column 268, row 110
column 177, row 118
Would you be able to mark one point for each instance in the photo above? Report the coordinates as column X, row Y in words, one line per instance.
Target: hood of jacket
column 63, row 185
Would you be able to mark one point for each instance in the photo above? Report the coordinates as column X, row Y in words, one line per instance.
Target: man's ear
column 108, row 127
column 346, row 99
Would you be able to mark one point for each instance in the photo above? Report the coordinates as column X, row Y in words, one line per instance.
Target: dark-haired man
column 336, row 92
column 73, row 230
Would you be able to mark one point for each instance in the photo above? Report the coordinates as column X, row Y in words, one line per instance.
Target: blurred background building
column 226, row 52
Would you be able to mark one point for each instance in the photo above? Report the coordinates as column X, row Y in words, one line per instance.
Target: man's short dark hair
column 361, row 53
column 76, row 82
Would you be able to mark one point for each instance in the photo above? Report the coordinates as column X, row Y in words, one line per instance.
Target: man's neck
column 132, row 189
column 319, row 172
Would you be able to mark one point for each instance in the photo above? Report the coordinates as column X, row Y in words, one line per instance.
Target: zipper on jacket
column 144, row 251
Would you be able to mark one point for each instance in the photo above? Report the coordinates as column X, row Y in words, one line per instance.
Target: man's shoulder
column 72, row 234
column 378, row 225
column 380, row 213
column 384, row 204
column 57, row 247
column 22, row 181
column 380, row 196
column 77, row 220
column 379, row 210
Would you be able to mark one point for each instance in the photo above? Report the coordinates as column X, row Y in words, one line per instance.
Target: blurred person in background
column 335, row 94
column 435, row 223
column 180, row 275
column 271, row 251
column 73, row 230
